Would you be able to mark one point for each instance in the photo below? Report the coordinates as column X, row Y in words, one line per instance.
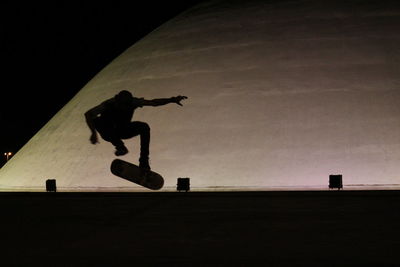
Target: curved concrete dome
column 281, row 94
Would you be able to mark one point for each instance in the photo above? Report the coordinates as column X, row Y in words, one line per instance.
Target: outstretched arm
column 163, row 101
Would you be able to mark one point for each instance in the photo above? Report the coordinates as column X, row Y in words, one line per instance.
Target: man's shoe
column 144, row 164
column 120, row 151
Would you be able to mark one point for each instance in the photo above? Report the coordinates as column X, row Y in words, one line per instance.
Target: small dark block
column 51, row 185
column 183, row 184
column 335, row 181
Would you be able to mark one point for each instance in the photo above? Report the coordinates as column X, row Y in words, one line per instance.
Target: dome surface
column 281, row 94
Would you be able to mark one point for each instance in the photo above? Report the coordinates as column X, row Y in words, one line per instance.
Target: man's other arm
column 163, row 101
column 90, row 116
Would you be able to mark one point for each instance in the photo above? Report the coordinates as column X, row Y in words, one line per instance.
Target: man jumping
column 112, row 119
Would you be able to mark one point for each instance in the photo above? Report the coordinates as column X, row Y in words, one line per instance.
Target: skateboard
column 133, row 173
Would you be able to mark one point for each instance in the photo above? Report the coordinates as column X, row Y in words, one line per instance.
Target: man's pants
column 135, row 128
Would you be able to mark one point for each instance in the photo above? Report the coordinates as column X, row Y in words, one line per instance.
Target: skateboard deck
column 133, row 173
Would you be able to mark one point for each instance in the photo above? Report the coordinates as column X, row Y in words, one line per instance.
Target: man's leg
column 111, row 136
column 140, row 128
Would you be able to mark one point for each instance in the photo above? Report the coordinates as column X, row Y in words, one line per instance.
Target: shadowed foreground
column 322, row 228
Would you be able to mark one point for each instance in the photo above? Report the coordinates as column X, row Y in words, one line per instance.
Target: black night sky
column 50, row 50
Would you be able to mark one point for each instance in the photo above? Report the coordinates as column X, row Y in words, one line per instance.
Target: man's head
column 124, row 97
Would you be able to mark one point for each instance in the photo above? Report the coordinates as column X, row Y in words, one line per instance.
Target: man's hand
column 178, row 99
column 93, row 139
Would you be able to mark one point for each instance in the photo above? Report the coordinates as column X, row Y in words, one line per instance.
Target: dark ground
column 320, row 228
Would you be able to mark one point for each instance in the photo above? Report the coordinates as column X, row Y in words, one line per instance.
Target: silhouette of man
column 112, row 120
